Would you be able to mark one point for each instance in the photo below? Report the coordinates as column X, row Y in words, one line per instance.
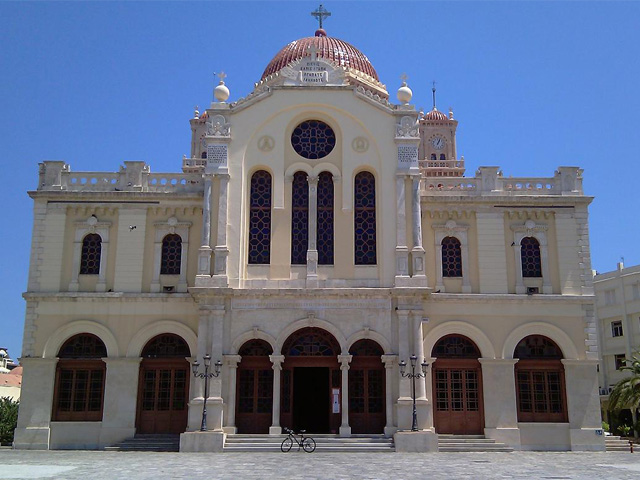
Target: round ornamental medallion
column 313, row 139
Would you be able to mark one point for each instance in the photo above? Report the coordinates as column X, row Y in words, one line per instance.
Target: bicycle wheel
column 309, row 444
column 287, row 443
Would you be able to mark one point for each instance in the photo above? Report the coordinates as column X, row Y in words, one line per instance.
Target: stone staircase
column 470, row 443
column 613, row 443
column 147, row 443
column 324, row 443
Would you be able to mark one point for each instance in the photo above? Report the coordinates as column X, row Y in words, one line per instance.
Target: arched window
column 79, row 384
column 299, row 219
column 433, row 156
column 166, row 345
column 311, row 342
column 443, row 156
column 325, row 219
column 530, row 254
column 365, row 219
column 90, row 255
column 171, row 254
column 260, row 218
column 540, row 384
column 204, row 155
column 451, row 257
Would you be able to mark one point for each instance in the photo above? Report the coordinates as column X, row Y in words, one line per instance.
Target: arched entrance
column 254, row 388
column 311, row 380
column 163, row 390
column 366, row 388
column 457, row 386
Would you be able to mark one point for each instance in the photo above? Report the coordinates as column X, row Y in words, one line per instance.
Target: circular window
column 313, row 139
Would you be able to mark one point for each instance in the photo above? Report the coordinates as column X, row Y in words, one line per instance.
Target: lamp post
column 413, row 375
column 206, row 375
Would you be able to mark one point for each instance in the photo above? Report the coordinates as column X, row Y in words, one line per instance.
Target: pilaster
column 231, row 362
column 345, row 360
column 276, row 360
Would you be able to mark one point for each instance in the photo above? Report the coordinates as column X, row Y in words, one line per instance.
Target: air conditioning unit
column 168, row 289
column 533, row 290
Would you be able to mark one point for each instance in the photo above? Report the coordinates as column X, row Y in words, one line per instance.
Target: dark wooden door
column 254, row 395
column 366, row 395
column 163, row 395
column 458, row 406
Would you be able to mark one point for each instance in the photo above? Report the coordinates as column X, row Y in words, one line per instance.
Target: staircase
column 470, row 443
column 324, row 443
column 148, row 443
column 613, row 443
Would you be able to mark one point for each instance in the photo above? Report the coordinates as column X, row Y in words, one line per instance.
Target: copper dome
column 435, row 115
column 335, row 50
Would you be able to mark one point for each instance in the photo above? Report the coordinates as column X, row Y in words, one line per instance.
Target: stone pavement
column 83, row 465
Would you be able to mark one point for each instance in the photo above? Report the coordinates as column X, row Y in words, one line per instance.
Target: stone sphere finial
column 196, row 112
column 404, row 92
column 221, row 92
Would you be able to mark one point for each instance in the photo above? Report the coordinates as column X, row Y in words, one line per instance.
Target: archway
column 457, row 386
column 163, row 390
column 366, row 388
column 311, row 381
column 254, row 388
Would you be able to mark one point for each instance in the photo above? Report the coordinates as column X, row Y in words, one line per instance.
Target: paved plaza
column 83, row 465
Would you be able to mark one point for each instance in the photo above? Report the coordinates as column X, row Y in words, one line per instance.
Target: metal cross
column 221, row 76
column 433, row 90
column 321, row 13
column 404, row 77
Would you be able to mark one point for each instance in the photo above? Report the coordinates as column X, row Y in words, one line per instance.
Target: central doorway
column 311, row 399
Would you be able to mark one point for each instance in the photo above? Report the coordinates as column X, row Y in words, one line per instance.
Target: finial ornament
column 221, row 76
column 404, row 78
column 221, row 92
column 404, row 92
column 196, row 112
column 320, row 14
column 433, row 91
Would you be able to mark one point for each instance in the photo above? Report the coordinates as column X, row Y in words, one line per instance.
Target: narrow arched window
column 530, row 254
column 171, row 254
column 80, row 376
column 299, row 219
column 90, row 256
column 365, row 219
column 325, row 219
column 443, row 156
column 260, row 218
column 204, row 155
column 451, row 257
column 433, row 156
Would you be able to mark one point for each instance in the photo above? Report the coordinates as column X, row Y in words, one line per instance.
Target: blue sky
column 534, row 85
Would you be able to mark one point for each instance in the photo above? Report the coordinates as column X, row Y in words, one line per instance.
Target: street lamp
column 206, row 375
column 413, row 375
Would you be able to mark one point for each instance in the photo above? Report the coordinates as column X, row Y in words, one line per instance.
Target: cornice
column 113, row 197
column 107, row 296
column 510, row 298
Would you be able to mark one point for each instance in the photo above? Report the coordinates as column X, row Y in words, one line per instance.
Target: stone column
column 390, row 362
column 424, row 406
column 402, row 252
column 221, row 248
column 204, row 253
column 499, row 398
column 231, row 361
column 312, row 250
column 417, row 252
column 583, row 404
column 275, row 428
column 120, row 400
column 36, row 402
column 345, row 360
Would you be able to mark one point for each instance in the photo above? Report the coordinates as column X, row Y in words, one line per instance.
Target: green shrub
column 8, row 419
column 606, row 427
column 625, row 430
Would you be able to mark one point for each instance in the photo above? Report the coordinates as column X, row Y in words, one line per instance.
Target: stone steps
column 614, row 443
column 470, row 443
column 147, row 443
column 324, row 443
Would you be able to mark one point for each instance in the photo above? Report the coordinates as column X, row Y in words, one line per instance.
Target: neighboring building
column 618, row 313
column 318, row 235
column 10, row 376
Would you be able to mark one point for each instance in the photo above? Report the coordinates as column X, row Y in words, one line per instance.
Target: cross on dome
column 221, row 76
column 321, row 13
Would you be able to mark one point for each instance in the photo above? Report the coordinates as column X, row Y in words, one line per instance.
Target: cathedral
column 323, row 252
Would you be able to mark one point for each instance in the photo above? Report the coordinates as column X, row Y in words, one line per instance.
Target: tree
column 8, row 419
column 626, row 393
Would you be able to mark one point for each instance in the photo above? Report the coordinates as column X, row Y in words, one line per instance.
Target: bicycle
column 308, row 444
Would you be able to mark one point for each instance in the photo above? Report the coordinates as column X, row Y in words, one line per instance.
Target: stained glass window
column 299, row 219
column 171, row 255
column 451, row 257
column 260, row 218
column 365, row 219
column 537, row 346
column 166, row 345
column 325, row 219
column 311, row 342
column 455, row 346
column 90, row 256
column 313, row 139
column 366, row 348
column 530, row 254
column 255, row 348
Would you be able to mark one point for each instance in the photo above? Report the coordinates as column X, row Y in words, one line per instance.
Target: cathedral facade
column 318, row 236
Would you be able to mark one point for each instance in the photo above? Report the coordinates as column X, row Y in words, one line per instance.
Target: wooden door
column 366, row 396
column 254, row 395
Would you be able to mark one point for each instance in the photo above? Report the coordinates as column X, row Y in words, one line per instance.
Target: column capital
column 311, row 180
column 221, row 176
column 232, row 360
column 277, row 361
column 345, row 360
column 389, row 361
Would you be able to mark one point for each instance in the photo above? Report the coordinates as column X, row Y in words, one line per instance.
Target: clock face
column 438, row 143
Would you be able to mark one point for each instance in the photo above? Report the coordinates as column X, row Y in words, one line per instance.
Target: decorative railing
column 442, row 164
column 133, row 177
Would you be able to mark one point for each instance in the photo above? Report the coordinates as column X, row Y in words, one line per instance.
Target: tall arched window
column 299, row 219
column 204, row 155
column 90, row 255
column 530, row 254
column 433, row 156
column 80, row 375
column 443, row 156
column 171, row 254
column 451, row 257
column 260, row 218
column 365, row 219
column 540, row 385
column 325, row 219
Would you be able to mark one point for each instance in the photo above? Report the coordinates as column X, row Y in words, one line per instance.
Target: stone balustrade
column 132, row 177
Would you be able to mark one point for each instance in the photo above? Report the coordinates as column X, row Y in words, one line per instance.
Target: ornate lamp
column 413, row 375
column 206, row 376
